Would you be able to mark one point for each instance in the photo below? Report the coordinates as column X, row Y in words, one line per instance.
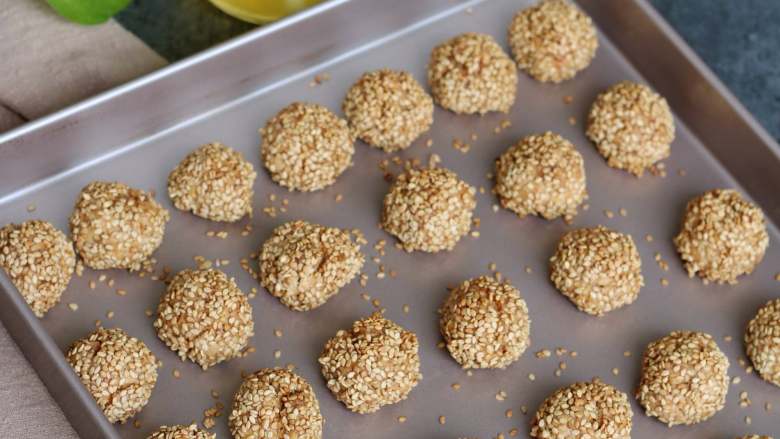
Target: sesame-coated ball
column 552, row 40
column 598, row 269
column 722, row 237
column 116, row 226
column 204, row 316
column 305, row 264
column 428, row 209
column 541, row 175
column 213, row 182
column 632, row 127
column 275, row 404
column 39, row 261
column 684, row 378
column 306, row 147
column 762, row 341
column 471, row 74
column 755, row 436
column 181, row 432
column 584, row 410
column 375, row 363
column 485, row 324
column 118, row 370
column 388, row 109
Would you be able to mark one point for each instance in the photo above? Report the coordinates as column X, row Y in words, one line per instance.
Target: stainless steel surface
column 137, row 133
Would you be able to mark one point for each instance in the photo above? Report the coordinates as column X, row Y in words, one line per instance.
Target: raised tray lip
column 82, row 412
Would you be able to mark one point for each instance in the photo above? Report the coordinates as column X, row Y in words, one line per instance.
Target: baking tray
column 138, row 132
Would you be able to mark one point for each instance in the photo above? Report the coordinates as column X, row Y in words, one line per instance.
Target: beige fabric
column 47, row 63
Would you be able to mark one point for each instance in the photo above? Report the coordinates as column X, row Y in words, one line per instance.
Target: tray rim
column 61, row 381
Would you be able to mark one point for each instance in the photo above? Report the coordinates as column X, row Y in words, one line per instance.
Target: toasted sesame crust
column 275, row 404
column 597, row 269
column 306, row 264
column 755, row 436
column 118, row 370
column 204, row 316
column 632, row 127
column 375, row 363
column 428, row 209
column 181, row 432
column 388, row 109
column 584, row 410
column 541, row 175
column 306, row 147
column 552, row 40
column 39, row 260
column 470, row 74
column 684, row 378
column 722, row 237
column 762, row 341
column 213, row 182
column 485, row 324
column 116, row 226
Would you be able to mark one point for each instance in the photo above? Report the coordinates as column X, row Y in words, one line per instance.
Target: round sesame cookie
column 541, row 175
column 204, row 316
column 213, row 182
column 116, row 226
column 374, row 364
column 39, row 261
column 632, row 127
column 181, row 432
column 762, row 341
column 306, row 147
column 552, row 40
column 684, row 378
column 584, row 410
column 722, row 237
column 471, row 74
column 118, row 370
column 388, row 109
column 306, row 264
column 275, row 403
column 428, row 209
column 485, row 324
column 598, row 269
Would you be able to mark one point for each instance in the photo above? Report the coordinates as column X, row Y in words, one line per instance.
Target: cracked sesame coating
column 471, row 73
column 116, row 226
column 584, row 410
column 275, row 404
column 485, row 324
column 181, row 432
column 204, row 316
column 684, row 378
column 428, row 209
column 598, row 269
column 213, row 182
column 306, row 147
column 118, row 370
column 632, row 127
column 39, row 260
column 375, row 363
column 762, row 341
column 722, row 236
column 552, row 40
column 388, row 109
column 305, row 264
column 541, row 175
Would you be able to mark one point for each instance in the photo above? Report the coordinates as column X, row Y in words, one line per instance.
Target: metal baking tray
column 138, row 132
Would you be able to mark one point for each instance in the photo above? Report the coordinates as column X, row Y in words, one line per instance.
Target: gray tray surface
column 654, row 206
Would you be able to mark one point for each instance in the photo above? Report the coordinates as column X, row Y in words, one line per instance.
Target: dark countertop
column 739, row 40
